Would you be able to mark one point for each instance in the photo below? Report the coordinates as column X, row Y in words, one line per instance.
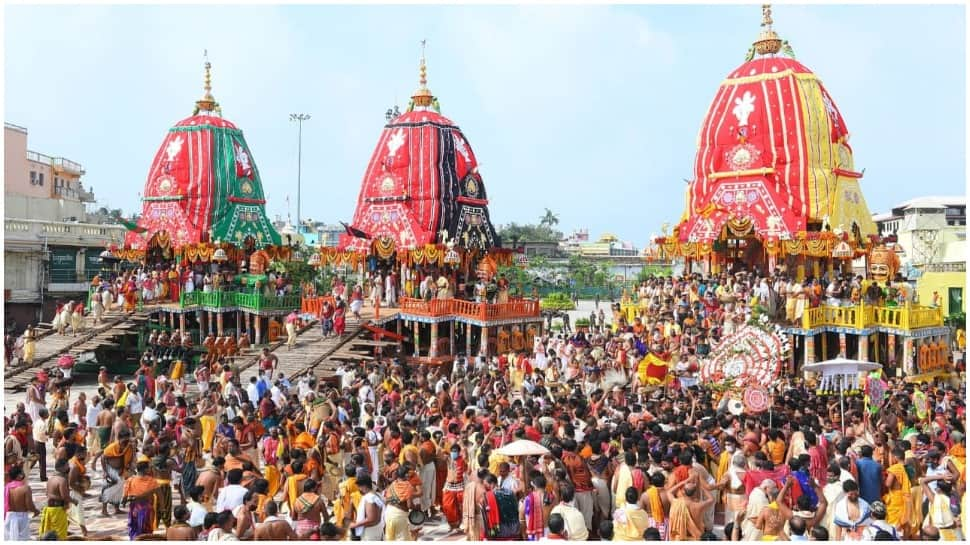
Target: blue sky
column 591, row 111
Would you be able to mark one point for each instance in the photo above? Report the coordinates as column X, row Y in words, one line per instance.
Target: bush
column 582, row 322
column 557, row 301
column 956, row 320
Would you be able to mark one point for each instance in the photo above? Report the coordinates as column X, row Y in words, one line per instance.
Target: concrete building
column 51, row 250
column 931, row 236
column 312, row 233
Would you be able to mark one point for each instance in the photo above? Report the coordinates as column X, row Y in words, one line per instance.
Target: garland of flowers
column 751, row 355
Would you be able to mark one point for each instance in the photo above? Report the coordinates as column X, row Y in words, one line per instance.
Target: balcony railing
column 907, row 317
column 241, row 300
column 38, row 229
column 67, row 165
column 435, row 308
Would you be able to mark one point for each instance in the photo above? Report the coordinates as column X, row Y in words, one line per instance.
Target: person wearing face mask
column 453, row 494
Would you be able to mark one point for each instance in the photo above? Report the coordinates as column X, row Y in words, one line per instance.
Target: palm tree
column 549, row 219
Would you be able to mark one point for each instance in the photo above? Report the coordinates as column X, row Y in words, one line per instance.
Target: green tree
column 514, row 232
column 549, row 219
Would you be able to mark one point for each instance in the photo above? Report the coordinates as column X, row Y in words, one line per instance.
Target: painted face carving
column 883, row 264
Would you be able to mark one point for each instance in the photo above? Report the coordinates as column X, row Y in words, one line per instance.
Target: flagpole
column 299, row 118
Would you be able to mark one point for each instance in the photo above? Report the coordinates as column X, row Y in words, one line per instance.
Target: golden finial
column 768, row 42
column 423, row 96
column 207, row 103
column 766, row 16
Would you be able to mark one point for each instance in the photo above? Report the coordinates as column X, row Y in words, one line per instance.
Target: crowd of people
column 383, row 447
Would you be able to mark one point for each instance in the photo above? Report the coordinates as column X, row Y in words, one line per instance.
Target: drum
column 416, row 518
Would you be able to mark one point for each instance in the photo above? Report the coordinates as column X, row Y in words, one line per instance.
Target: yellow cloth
column 30, row 348
column 681, row 524
column 958, row 455
column 940, row 514
column 348, row 498
column 396, row 525
column 122, row 400
column 54, row 519
column 636, row 523
column 898, row 500
column 293, row 491
column 494, row 460
column 624, row 480
column 208, row 423
column 273, row 475
column 656, row 506
column 723, row 464
column 409, row 449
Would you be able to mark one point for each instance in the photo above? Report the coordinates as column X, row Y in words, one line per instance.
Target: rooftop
column 933, row 202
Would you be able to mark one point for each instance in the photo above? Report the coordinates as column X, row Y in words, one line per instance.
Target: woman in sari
column 131, row 296
column 535, row 510
column 30, row 345
column 340, row 319
column 140, row 491
column 400, row 499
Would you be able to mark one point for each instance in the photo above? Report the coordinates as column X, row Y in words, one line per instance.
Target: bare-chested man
column 16, row 524
column 120, row 424
column 687, row 509
column 105, row 424
column 79, row 483
column 244, row 514
column 771, row 521
column 274, row 528
column 309, row 510
column 180, row 529
column 117, row 460
column 210, row 479
column 54, row 516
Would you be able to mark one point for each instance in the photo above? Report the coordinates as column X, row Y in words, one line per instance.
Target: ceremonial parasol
column 840, row 374
column 523, row 447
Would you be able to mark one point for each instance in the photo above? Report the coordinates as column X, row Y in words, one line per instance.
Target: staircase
column 50, row 346
column 312, row 353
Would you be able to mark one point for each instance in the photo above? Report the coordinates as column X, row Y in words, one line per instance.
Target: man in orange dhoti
column 454, row 489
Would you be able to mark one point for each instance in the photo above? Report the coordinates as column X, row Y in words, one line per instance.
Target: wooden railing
column 861, row 316
column 314, row 305
column 235, row 299
column 907, row 317
column 520, row 308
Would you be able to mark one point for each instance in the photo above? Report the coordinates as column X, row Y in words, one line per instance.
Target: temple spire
column 422, row 97
column 768, row 42
column 207, row 103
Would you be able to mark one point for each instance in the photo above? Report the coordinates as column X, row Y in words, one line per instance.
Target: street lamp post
column 299, row 118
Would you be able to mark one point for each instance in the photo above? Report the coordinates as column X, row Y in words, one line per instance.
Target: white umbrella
column 841, row 373
column 523, row 447
column 840, row 366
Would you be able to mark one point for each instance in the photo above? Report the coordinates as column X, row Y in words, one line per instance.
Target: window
column 33, row 177
column 956, row 300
